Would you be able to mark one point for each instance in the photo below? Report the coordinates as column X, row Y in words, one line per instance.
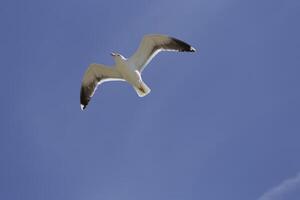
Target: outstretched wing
column 153, row 44
column 94, row 76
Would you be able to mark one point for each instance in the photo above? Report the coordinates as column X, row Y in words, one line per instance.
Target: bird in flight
column 129, row 69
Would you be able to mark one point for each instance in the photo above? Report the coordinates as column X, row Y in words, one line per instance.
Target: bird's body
column 126, row 70
column 129, row 69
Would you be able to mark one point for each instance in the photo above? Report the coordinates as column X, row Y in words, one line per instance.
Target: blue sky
column 222, row 123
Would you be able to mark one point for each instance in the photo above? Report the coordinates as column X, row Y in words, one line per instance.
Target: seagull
column 129, row 69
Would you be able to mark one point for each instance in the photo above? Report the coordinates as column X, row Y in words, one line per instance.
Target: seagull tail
column 143, row 90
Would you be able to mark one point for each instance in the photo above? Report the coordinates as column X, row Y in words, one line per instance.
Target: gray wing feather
column 153, row 44
column 94, row 76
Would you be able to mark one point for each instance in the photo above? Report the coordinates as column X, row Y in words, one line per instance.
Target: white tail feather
column 143, row 90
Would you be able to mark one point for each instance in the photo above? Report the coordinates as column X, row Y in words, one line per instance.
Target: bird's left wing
column 94, row 76
column 153, row 44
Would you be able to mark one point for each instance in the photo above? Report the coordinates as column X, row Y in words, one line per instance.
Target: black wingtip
column 84, row 98
column 183, row 45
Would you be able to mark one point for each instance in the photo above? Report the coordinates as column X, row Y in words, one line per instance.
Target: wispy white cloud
column 285, row 187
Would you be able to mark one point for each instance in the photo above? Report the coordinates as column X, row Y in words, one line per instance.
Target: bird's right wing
column 152, row 45
column 94, row 76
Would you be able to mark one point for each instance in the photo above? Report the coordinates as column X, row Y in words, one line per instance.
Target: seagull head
column 117, row 55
